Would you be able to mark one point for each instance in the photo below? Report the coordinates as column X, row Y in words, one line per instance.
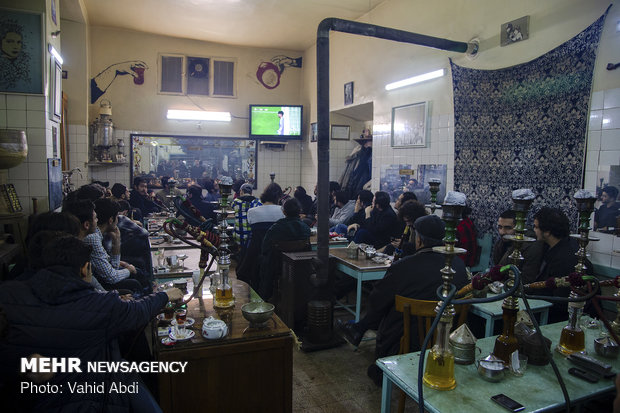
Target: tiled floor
column 335, row 381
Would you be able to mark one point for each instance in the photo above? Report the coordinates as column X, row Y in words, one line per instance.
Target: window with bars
column 195, row 75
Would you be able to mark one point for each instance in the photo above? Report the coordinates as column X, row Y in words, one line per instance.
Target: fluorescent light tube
column 55, row 53
column 198, row 115
column 416, row 79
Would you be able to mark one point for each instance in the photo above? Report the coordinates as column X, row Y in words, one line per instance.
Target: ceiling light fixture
column 55, row 53
column 198, row 115
column 416, row 79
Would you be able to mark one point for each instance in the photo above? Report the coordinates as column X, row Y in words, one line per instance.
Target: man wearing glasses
column 532, row 251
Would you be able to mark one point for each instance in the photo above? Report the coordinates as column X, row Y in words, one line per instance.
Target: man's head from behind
column 382, row 200
column 430, row 230
column 119, row 191
column 69, row 252
column 404, row 197
column 341, row 198
column 506, row 223
column 410, row 211
column 551, row 224
column 107, row 212
column 91, row 192
column 291, row 208
column 194, row 192
column 84, row 210
column 365, row 197
column 246, row 189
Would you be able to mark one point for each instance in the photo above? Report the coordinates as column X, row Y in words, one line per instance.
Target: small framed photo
column 515, row 31
column 56, row 89
column 348, row 93
column 340, row 132
column 314, row 135
column 409, row 125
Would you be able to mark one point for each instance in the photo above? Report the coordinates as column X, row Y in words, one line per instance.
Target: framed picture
column 56, row 91
column 340, row 132
column 409, row 125
column 348, row 93
column 314, row 135
column 21, row 60
column 515, row 31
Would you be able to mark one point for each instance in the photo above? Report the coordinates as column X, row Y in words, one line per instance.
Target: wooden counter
column 250, row 370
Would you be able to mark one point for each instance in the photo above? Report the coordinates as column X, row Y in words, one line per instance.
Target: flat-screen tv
column 279, row 122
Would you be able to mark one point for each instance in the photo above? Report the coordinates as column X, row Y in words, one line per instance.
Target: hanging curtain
column 524, row 127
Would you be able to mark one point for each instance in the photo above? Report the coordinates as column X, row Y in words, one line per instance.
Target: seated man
column 531, row 251
column 120, row 193
column 139, row 197
column 289, row 228
column 57, row 313
column 111, row 272
column 417, row 276
column 345, row 209
column 380, row 222
column 467, row 238
column 605, row 216
column 166, row 195
column 194, row 194
column 269, row 211
column 241, row 206
column 552, row 227
column 408, row 212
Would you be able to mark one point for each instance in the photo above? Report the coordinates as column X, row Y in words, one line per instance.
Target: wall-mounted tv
column 275, row 121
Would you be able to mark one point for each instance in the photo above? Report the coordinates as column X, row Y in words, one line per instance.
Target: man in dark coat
column 380, row 224
column 416, row 276
column 57, row 313
column 289, row 228
column 140, row 199
column 552, row 227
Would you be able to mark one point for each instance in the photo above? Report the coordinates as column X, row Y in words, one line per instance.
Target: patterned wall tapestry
column 524, row 127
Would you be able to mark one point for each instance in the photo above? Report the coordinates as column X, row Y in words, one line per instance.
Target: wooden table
column 538, row 390
column 249, row 370
column 493, row 311
column 361, row 269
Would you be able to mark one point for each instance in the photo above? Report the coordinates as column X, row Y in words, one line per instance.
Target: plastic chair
column 425, row 312
column 486, row 245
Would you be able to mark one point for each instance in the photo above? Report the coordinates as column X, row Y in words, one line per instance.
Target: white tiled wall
column 603, row 150
column 286, row 164
column 29, row 113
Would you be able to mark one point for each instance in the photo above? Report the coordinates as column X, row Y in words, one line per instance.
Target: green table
column 538, row 390
column 493, row 311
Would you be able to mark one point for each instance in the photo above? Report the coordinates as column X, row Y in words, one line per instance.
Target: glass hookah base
column 439, row 372
column 223, row 298
column 571, row 341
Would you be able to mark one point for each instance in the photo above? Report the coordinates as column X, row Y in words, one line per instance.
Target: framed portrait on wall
column 314, row 134
column 348, row 93
column 21, row 60
column 341, row 132
column 409, row 125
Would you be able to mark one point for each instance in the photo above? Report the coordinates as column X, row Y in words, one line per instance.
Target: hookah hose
column 446, row 301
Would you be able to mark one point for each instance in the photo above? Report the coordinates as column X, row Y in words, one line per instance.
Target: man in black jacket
column 416, row 276
column 57, row 313
column 140, row 199
column 380, row 223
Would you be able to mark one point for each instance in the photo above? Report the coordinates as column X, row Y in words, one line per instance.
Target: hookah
column 506, row 343
column 439, row 373
column 433, row 185
column 224, row 297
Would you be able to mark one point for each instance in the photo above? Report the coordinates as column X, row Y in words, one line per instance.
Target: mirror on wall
column 191, row 158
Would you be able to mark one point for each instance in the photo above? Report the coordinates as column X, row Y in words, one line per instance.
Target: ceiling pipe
column 322, row 54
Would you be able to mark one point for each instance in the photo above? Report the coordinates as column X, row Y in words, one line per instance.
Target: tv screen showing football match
column 275, row 121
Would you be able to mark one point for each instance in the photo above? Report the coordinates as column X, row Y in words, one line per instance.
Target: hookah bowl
column 585, row 206
column 439, row 370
